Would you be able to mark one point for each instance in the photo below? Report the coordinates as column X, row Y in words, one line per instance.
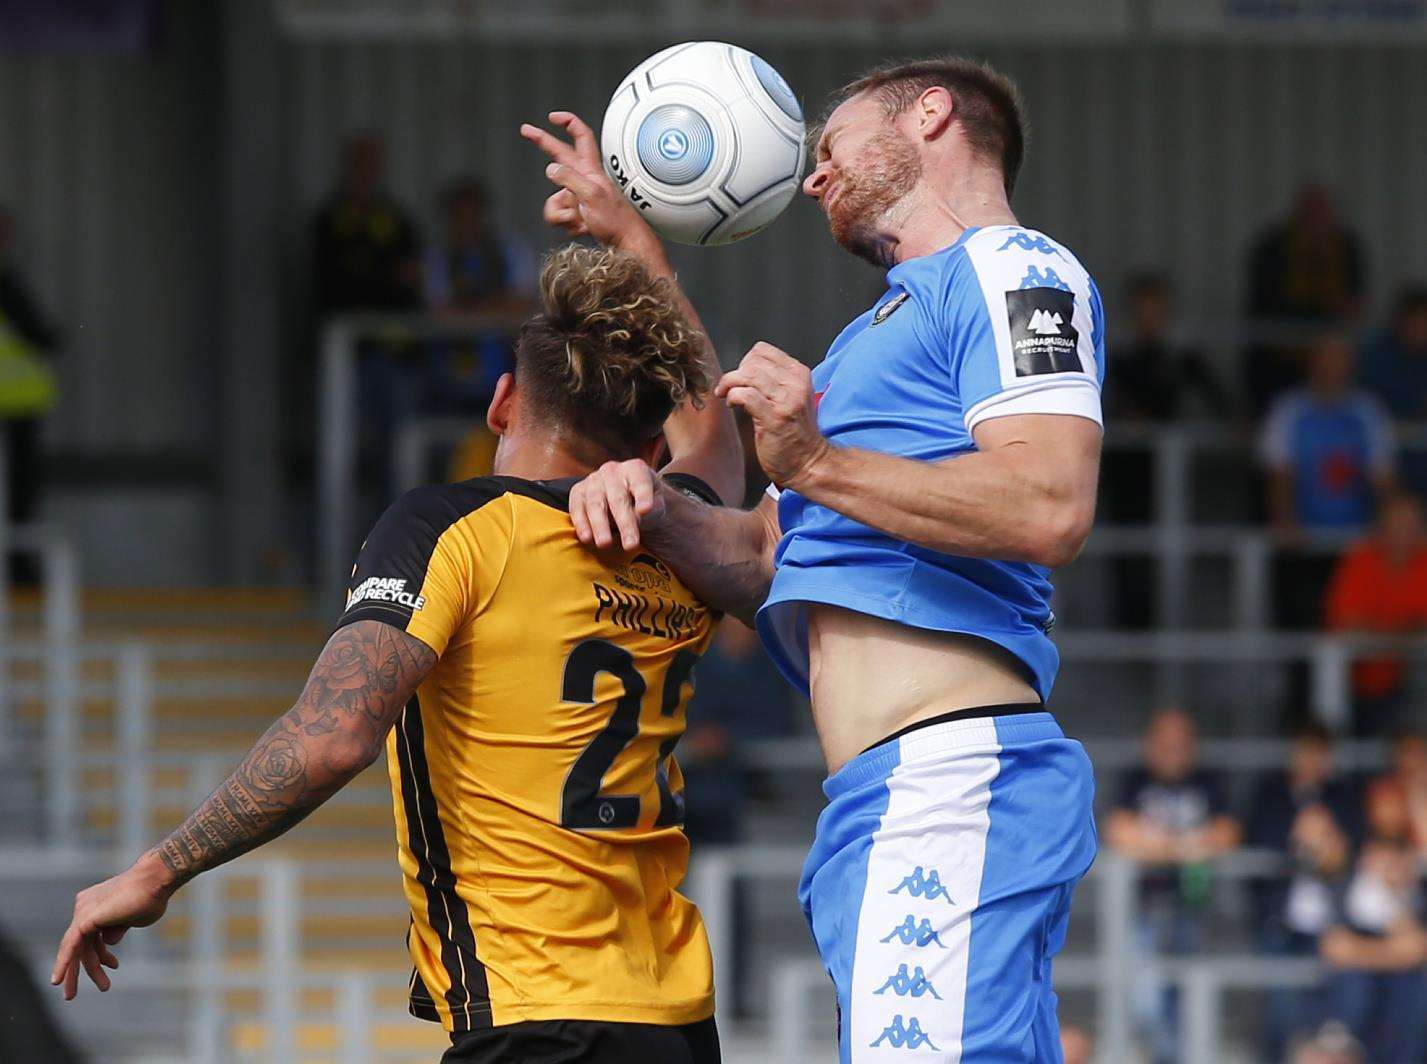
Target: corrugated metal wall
column 1162, row 154
column 109, row 170
column 1157, row 155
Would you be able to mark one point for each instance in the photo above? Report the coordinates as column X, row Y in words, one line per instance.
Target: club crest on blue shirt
column 885, row 310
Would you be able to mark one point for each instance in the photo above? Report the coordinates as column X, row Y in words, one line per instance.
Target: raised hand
column 587, row 201
column 777, row 392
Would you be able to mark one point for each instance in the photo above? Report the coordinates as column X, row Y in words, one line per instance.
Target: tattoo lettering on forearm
column 361, row 682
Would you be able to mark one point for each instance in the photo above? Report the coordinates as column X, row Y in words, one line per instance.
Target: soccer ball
column 706, row 139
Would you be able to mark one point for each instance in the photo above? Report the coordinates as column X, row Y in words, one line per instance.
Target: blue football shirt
column 1003, row 322
column 1333, row 450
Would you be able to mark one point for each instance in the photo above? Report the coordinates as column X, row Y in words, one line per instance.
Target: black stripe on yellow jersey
column 537, row 802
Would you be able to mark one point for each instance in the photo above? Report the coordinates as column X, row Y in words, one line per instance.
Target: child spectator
column 1376, row 953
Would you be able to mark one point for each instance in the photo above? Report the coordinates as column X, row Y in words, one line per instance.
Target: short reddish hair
column 988, row 104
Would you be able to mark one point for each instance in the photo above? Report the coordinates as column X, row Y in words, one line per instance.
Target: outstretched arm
column 362, row 680
column 703, row 440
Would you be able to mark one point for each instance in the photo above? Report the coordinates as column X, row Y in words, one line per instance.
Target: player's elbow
column 1060, row 534
column 347, row 755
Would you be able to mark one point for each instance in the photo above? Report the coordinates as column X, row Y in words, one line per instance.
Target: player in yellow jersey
column 529, row 694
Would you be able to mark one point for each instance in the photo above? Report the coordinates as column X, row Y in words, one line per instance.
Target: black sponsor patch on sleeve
column 1043, row 338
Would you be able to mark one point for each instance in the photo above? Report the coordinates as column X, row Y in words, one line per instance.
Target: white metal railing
column 134, row 757
column 713, row 873
column 58, row 657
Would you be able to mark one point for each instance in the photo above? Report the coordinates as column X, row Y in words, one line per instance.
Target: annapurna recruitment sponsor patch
column 1043, row 338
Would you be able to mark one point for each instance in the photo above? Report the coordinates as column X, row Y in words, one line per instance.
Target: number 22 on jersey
column 583, row 803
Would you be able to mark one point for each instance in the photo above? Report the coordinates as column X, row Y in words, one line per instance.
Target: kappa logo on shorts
column 915, row 934
column 1043, row 338
column 886, row 310
column 903, row 984
column 901, row 1035
column 920, row 885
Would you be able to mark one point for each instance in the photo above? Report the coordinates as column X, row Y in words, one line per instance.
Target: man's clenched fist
column 777, row 391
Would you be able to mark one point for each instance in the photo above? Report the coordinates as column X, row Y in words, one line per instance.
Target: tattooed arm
column 362, row 680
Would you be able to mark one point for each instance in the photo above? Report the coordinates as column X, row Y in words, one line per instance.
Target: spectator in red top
column 1380, row 586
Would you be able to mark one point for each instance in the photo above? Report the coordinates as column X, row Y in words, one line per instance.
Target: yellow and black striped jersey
column 538, row 805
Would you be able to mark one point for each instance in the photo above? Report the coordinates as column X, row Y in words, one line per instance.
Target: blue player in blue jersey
column 933, row 469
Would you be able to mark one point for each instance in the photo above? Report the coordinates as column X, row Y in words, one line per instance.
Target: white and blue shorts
column 938, row 887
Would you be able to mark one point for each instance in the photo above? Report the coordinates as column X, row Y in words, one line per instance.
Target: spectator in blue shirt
column 1328, row 447
column 1329, row 452
column 1394, row 361
column 474, row 268
column 1394, row 368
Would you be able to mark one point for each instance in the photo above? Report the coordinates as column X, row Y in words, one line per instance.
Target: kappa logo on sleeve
column 385, row 589
column 1043, row 340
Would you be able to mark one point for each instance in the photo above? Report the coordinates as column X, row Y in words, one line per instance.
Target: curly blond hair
column 611, row 353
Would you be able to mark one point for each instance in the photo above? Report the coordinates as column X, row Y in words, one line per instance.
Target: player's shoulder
column 1009, row 257
column 442, row 505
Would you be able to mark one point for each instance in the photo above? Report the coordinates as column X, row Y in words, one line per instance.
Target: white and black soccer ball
column 706, row 139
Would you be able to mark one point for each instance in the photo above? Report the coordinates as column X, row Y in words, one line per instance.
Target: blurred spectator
column 27, row 390
column 1305, row 270
column 1076, row 1046
column 739, row 698
column 1397, row 801
column 473, row 268
column 1328, row 447
column 476, row 267
column 367, row 259
column 365, row 242
column 1380, row 587
column 1331, row 1044
column 1170, row 815
column 1312, row 819
column 1328, row 450
column 1158, row 380
column 1394, row 368
column 1376, row 953
column 1395, row 359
